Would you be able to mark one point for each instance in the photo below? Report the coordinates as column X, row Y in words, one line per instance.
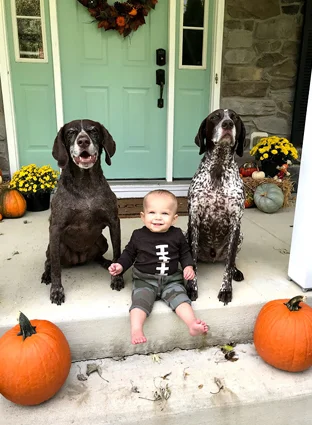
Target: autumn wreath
column 122, row 17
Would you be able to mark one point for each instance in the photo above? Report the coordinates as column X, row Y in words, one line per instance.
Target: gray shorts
column 149, row 287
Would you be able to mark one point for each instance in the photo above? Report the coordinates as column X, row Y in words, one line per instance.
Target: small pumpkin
column 34, row 361
column 247, row 169
column 258, row 175
column 12, row 203
column 268, row 197
column 1, row 217
column 283, row 334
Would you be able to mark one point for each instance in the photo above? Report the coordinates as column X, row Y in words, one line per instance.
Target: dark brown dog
column 83, row 205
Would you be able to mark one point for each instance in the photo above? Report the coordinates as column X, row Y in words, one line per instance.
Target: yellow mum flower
column 274, row 151
column 265, row 156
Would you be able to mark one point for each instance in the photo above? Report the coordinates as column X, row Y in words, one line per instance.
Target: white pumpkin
column 258, row 175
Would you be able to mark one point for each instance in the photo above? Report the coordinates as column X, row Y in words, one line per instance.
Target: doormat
column 131, row 207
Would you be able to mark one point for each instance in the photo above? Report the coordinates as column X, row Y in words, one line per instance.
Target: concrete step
column 95, row 319
column 252, row 392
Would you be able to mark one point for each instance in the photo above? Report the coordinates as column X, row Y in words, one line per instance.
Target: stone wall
column 260, row 57
column 4, row 157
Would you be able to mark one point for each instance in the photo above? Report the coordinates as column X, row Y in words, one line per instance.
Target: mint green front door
column 29, row 44
column 113, row 80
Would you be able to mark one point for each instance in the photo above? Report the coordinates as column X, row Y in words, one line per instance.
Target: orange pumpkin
column 1, row 217
column 12, row 203
column 283, row 334
column 34, row 361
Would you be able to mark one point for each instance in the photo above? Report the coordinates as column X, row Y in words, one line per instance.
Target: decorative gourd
column 247, row 169
column 1, row 217
column 249, row 199
column 34, row 363
column 283, row 334
column 268, row 197
column 12, row 203
column 258, row 175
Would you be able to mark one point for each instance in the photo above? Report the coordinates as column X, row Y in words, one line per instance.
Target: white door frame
column 8, row 95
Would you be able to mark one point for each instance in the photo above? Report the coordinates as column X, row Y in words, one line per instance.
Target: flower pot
column 38, row 201
column 269, row 167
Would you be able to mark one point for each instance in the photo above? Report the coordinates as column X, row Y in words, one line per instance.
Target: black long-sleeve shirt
column 156, row 253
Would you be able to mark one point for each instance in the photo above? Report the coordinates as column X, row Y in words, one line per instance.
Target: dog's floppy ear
column 241, row 137
column 201, row 136
column 59, row 151
column 204, row 132
column 108, row 144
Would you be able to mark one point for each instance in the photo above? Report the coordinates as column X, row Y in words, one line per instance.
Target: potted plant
column 273, row 151
column 36, row 184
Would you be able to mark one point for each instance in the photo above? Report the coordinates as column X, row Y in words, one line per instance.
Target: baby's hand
column 115, row 269
column 188, row 273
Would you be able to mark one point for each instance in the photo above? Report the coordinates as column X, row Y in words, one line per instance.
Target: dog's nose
column 227, row 124
column 83, row 142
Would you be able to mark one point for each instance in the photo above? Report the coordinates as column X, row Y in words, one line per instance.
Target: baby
column 155, row 250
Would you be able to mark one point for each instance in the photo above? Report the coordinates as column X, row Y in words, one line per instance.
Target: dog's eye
column 71, row 133
column 216, row 117
column 233, row 117
column 93, row 131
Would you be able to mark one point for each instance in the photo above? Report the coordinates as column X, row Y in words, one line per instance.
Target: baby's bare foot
column 198, row 327
column 137, row 337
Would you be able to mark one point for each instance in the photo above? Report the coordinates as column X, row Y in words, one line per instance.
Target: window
column 193, row 34
column 29, row 30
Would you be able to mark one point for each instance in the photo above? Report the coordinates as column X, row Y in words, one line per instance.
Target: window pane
column 30, row 38
column 27, row 7
column 193, row 13
column 192, row 52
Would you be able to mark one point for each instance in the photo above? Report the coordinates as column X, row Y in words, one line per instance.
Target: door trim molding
column 218, row 29
column 171, row 88
column 7, row 94
column 55, row 45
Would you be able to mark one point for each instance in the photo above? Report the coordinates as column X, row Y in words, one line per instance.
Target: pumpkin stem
column 293, row 304
column 26, row 327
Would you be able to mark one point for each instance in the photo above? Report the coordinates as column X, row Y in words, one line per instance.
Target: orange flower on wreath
column 133, row 12
column 120, row 21
column 104, row 24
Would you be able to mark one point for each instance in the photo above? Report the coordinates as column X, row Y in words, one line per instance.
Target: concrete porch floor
column 95, row 319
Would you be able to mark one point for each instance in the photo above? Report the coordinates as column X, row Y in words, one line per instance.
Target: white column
column 300, row 261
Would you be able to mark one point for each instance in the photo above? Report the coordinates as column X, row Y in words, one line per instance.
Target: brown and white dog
column 216, row 198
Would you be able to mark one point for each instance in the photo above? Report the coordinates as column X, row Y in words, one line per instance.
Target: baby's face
column 159, row 213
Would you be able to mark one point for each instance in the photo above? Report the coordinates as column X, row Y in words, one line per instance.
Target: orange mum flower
column 133, row 12
column 120, row 21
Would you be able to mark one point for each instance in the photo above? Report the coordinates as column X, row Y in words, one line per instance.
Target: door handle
column 160, row 81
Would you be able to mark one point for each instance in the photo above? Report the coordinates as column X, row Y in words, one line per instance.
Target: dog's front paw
column 57, row 295
column 237, row 275
column 117, row 283
column 46, row 277
column 191, row 290
column 225, row 296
